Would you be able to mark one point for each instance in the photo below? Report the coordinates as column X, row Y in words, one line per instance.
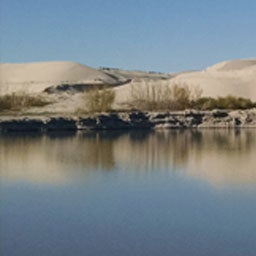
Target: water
column 134, row 193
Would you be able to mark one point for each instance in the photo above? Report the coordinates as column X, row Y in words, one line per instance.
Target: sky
column 152, row 35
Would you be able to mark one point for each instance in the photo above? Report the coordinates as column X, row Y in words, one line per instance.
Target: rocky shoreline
column 132, row 120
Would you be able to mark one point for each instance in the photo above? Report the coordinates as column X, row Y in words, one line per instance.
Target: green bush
column 21, row 100
column 228, row 102
column 181, row 96
column 98, row 100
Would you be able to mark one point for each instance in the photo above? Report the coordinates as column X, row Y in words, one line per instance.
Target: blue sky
column 159, row 35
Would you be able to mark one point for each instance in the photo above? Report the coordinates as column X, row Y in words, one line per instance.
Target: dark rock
column 140, row 120
column 237, row 121
column 133, row 120
column 22, row 125
column 219, row 113
column 194, row 117
column 73, row 88
column 138, row 116
column 160, row 116
column 112, row 121
column 60, row 124
column 86, row 123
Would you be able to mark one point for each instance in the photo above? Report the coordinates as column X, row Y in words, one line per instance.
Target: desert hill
column 36, row 77
column 236, row 77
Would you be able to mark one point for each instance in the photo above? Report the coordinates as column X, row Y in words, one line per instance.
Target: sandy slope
column 135, row 74
column 35, row 77
column 236, row 77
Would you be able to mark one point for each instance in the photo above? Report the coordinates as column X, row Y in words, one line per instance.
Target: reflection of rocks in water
column 219, row 156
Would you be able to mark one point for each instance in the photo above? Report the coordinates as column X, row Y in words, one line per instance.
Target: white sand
column 237, row 77
column 35, row 77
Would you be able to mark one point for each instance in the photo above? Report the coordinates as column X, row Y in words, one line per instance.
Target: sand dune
column 237, row 77
column 233, row 65
column 35, row 77
column 135, row 74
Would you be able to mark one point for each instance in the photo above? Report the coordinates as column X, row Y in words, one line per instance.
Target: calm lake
column 128, row 193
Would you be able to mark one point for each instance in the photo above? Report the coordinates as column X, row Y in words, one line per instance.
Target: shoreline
column 188, row 119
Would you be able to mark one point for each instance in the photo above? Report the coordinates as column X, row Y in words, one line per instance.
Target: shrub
column 204, row 103
column 181, row 96
column 153, row 96
column 99, row 100
column 228, row 102
column 21, row 100
column 163, row 97
column 150, row 96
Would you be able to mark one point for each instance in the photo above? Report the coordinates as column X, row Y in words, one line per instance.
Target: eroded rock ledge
column 132, row 120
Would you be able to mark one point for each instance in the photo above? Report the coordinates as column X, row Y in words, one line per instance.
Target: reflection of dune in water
column 221, row 157
column 222, row 171
column 31, row 159
column 53, row 160
column 226, row 158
